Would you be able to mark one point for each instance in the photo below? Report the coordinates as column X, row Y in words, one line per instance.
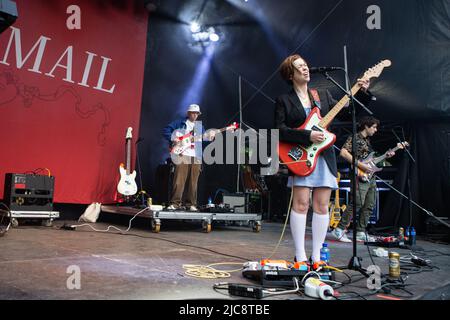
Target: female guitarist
column 291, row 111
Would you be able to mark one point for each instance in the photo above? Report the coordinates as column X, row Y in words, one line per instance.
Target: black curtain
column 429, row 177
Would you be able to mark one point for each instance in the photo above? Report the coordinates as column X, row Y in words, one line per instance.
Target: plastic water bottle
column 413, row 236
column 325, row 253
column 407, row 236
column 401, row 236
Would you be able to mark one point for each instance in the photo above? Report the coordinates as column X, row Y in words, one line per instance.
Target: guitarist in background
column 188, row 163
column 291, row 111
column 365, row 190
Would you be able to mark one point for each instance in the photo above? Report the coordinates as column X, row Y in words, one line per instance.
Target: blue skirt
column 320, row 177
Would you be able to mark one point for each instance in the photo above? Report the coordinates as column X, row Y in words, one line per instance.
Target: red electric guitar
column 184, row 142
column 302, row 160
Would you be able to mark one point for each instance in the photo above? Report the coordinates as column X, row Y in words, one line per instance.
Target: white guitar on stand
column 127, row 184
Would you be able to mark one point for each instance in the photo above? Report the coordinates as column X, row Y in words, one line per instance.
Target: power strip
column 247, row 291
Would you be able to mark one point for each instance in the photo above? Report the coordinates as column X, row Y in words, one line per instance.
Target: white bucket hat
column 194, row 108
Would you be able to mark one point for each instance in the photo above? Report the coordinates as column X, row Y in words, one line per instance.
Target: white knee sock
column 298, row 226
column 319, row 233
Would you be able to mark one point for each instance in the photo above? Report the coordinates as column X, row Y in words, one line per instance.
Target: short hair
column 287, row 68
column 367, row 121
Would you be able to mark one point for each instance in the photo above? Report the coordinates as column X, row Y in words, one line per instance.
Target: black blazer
column 289, row 115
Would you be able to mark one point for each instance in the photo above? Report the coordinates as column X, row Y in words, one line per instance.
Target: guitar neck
column 382, row 157
column 336, row 198
column 128, row 156
column 325, row 122
column 201, row 135
column 222, row 130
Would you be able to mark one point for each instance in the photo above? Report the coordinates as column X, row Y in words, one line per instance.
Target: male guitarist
column 365, row 190
column 188, row 162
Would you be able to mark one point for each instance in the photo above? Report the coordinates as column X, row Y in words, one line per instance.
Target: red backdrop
column 69, row 122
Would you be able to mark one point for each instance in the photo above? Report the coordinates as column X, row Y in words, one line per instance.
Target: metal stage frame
column 46, row 216
column 252, row 219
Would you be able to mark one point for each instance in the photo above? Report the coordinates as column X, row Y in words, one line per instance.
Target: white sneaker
column 193, row 208
column 363, row 237
column 171, row 207
column 340, row 235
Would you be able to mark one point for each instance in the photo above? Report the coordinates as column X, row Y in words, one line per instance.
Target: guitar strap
column 316, row 98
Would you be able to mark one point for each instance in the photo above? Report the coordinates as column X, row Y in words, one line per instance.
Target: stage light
column 203, row 36
column 195, row 27
column 152, row 5
column 214, row 37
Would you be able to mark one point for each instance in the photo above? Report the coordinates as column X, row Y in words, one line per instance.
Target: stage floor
column 34, row 261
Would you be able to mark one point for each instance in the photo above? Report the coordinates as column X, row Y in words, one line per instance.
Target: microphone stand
column 355, row 261
column 140, row 173
column 239, row 137
column 408, row 176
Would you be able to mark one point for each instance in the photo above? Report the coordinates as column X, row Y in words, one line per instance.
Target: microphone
column 323, row 69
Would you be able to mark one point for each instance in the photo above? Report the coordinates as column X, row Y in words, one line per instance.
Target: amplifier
column 29, row 192
column 345, row 185
column 235, row 201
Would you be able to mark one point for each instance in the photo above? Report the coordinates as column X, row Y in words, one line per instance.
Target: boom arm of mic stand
column 347, row 93
column 406, row 149
column 428, row 212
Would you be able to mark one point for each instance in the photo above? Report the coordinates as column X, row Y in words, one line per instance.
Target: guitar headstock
column 233, row 126
column 376, row 70
column 129, row 135
column 402, row 145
